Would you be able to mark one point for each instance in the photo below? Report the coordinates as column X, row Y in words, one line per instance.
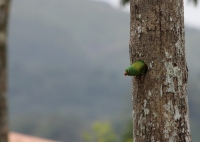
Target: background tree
column 160, row 101
column 4, row 11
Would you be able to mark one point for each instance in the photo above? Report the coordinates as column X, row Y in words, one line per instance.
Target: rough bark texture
column 160, row 101
column 4, row 9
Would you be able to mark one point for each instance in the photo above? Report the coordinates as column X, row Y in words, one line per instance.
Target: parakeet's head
column 127, row 71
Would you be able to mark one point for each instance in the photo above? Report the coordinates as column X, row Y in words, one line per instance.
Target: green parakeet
column 138, row 68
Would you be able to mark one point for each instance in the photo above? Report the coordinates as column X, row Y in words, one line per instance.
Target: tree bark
column 4, row 10
column 160, row 102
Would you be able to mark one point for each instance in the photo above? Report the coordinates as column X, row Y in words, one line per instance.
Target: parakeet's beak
column 125, row 73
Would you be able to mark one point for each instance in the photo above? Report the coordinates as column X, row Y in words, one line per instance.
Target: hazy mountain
column 66, row 64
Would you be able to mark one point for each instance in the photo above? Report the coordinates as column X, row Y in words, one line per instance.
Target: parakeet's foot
column 137, row 77
column 142, row 78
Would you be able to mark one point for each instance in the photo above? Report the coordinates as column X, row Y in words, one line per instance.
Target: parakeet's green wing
column 140, row 66
column 143, row 69
column 136, row 68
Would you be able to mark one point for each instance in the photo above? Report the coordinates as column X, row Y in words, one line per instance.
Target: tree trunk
column 160, row 101
column 4, row 10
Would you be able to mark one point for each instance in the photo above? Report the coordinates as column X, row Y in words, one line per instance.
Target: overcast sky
column 192, row 13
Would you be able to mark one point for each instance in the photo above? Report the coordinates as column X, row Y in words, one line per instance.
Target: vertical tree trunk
column 160, row 101
column 4, row 10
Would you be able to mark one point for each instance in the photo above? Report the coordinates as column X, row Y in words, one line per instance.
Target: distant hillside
column 66, row 64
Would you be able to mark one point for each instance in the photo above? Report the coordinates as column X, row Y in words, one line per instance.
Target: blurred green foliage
column 127, row 135
column 100, row 132
column 104, row 132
